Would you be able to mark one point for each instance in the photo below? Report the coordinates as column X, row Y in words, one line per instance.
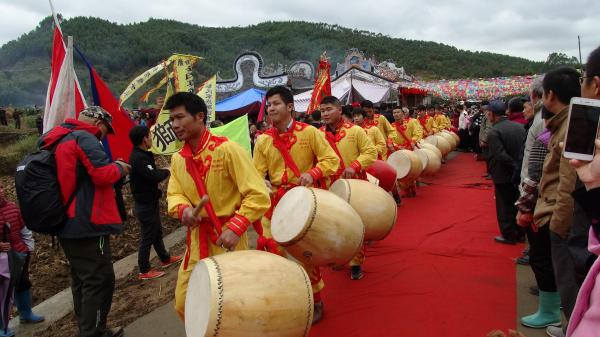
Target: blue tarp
column 243, row 99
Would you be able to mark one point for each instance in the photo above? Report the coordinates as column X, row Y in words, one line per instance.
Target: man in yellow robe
column 408, row 130
column 356, row 153
column 378, row 120
column 292, row 154
column 427, row 123
column 441, row 120
column 211, row 166
column 373, row 132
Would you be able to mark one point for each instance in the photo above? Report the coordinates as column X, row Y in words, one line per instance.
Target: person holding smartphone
column 553, row 213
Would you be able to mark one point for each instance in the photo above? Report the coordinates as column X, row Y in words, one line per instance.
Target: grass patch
column 12, row 154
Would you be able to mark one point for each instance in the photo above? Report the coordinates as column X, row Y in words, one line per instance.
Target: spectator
column 21, row 242
column 504, row 139
column 92, row 216
column 39, row 123
column 3, row 120
column 554, row 208
column 463, row 132
column 17, row 118
column 145, row 178
column 515, row 110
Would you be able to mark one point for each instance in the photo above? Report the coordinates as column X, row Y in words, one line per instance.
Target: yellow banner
column 160, row 84
column 182, row 67
column 164, row 140
column 208, row 92
column 139, row 81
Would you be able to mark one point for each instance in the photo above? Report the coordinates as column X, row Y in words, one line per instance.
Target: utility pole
column 579, row 42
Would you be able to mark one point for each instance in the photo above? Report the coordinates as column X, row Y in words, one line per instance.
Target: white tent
column 347, row 86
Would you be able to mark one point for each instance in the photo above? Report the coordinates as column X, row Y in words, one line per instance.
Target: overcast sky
column 530, row 29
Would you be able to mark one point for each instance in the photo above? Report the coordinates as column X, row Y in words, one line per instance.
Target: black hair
column 592, row 67
column 331, row 100
column 564, row 83
column 286, row 94
column 516, row 104
column 137, row 134
column 359, row 111
column 316, row 115
column 366, row 104
column 193, row 103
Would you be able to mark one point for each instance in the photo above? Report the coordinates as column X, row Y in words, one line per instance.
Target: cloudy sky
column 530, row 29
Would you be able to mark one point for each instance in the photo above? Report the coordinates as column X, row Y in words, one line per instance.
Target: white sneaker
column 554, row 331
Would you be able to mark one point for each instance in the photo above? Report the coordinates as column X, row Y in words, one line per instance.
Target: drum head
column 198, row 302
column 401, row 162
column 431, row 140
column 423, row 157
column 293, row 214
column 341, row 188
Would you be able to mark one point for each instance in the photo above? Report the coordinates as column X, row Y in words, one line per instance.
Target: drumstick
column 200, row 206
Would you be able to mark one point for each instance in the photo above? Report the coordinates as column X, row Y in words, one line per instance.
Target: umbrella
column 11, row 265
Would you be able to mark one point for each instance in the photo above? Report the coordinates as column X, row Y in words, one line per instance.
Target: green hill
column 119, row 52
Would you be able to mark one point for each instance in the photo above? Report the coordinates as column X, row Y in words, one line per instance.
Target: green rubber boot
column 548, row 313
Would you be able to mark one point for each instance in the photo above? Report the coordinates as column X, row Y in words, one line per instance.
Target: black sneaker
column 356, row 273
column 501, row 239
column 523, row 260
column 318, row 312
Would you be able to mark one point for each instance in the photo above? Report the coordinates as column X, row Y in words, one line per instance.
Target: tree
column 560, row 59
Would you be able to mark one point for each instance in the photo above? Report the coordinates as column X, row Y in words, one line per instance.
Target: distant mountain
column 119, row 52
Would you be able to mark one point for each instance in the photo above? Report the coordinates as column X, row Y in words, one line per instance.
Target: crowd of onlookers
column 546, row 199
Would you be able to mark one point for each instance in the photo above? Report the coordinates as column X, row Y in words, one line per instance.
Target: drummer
column 408, row 130
column 441, row 120
column 356, row 153
column 216, row 167
column 292, row 154
column 377, row 120
column 427, row 123
column 376, row 137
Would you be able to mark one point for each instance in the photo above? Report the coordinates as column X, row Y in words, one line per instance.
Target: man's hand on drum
column 348, row 173
column 228, row 239
column 188, row 218
column 306, row 180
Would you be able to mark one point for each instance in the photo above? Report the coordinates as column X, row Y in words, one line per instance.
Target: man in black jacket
column 505, row 142
column 145, row 178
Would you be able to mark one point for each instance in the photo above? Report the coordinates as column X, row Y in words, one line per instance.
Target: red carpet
column 439, row 273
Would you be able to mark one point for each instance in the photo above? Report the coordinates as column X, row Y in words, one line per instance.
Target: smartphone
column 582, row 130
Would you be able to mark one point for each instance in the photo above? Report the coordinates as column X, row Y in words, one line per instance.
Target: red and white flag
column 64, row 98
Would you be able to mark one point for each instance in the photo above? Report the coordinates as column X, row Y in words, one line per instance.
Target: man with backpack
column 85, row 178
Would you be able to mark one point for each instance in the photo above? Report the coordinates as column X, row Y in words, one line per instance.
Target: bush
column 12, row 154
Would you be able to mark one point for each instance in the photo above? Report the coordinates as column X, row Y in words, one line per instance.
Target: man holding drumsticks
column 356, row 153
column 292, row 154
column 214, row 189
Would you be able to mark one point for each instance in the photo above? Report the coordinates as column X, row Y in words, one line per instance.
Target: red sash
column 400, row 128
column 282, row 147
column 211, row 227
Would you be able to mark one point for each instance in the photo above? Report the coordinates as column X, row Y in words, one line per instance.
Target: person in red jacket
column 91, row 217
column 20, row 240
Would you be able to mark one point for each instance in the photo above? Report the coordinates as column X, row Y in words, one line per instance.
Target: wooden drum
column 317, row 227
column 376, row 207
column 449, row 138
column 443, row 145
column 384, row 172
column 246, row 294
column 407, row 164
column 425, row 145
column 433, row 162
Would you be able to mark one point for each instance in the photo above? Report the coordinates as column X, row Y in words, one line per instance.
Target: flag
column 322, row 86
column 164, row 140
column 262, row 111
column 208, row 92
column 182, row 67
column 237, row 131
column 63, row 97
column 117, row 146
column 145, row 97
column 139, row 81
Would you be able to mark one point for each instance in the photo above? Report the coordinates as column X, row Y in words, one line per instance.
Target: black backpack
column 39, row 193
